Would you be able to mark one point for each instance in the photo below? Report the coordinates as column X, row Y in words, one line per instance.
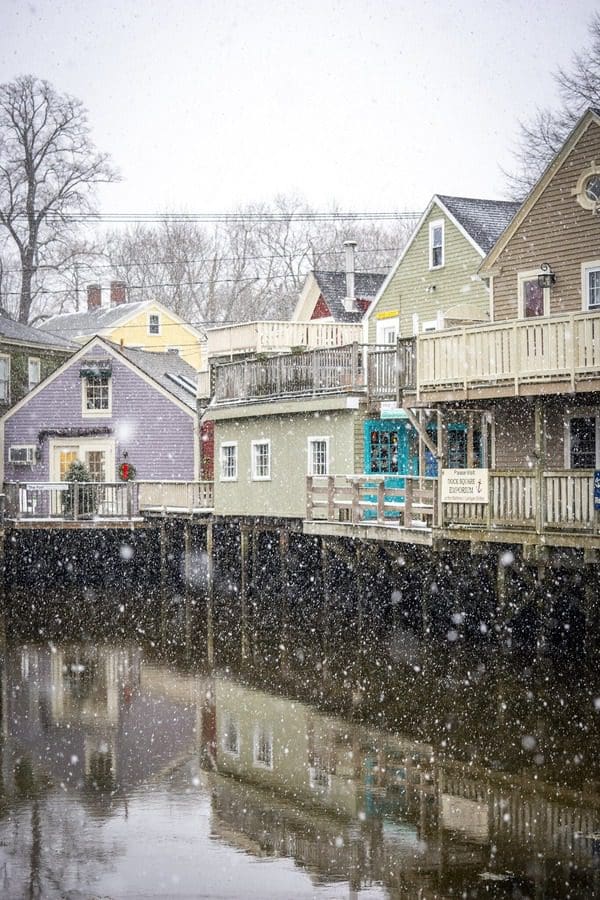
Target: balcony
column 278, row 337
column 551, row 354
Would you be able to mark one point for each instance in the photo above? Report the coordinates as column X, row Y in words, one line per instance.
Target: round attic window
column 592, row 188
column 587, row 190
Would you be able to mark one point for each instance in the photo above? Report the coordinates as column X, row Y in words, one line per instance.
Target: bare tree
column 541, row 138
column 250, row 265
column 48, row 169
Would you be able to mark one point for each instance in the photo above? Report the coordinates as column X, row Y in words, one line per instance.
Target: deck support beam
column 244, row 565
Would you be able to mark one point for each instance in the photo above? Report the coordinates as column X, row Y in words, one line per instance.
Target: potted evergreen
column 86, row 503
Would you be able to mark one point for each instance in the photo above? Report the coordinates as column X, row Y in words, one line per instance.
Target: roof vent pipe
column 350, row 301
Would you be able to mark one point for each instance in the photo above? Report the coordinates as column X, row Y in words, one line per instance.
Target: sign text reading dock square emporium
column 465, row 486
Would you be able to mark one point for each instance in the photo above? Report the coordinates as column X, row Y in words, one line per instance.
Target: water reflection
column 123, row 775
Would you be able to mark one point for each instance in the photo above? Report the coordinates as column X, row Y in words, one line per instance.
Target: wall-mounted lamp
column 547, row 277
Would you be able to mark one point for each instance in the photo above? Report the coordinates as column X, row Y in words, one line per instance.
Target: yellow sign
column 389, row 314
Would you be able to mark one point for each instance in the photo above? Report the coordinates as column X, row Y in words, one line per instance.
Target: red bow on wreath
column 126, row 471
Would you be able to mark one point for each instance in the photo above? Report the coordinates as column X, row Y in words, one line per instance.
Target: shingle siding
column 158, row 436
column 556, row 231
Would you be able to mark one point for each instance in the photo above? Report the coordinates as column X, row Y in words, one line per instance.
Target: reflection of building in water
column 352, row 802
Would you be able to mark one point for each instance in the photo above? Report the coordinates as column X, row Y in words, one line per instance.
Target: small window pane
column 229, row 462
column 97, row 392
column 4, row 379
column 437, row 248
column 318, row 462
column 583, row 442
column 594, row 289
column 261, row 460
column 34, row 372
column 154, row 324
column 533, row 299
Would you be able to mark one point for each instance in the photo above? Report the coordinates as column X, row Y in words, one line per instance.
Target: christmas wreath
column 127, row 471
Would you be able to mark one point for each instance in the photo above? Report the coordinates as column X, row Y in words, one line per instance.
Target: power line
column 229, row 217
column 199, row 260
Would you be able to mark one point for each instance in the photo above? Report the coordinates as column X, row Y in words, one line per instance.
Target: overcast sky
column 209, row 104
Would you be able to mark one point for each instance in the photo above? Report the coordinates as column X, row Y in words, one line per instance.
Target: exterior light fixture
column 547, row 277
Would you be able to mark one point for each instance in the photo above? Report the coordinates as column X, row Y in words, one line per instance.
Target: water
column 329, row 761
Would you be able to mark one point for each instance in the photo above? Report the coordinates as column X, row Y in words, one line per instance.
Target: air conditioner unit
column 21, row 456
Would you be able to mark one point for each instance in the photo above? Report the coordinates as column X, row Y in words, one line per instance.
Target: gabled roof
column 168, row 369
column 333, row 288
column 483, row 220
column 479, row 221
column 156, row 368
column 591, row 115
column 80, row 324
column 25, row 334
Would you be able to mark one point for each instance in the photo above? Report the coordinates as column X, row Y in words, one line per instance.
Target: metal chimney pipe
column 350, row 288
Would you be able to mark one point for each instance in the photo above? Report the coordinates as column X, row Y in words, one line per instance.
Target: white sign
column 465, row 486
column 389, row 410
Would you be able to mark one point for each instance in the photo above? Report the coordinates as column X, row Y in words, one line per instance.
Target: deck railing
column 371, row 499
column 80, row 501
column 175, row 495
column 327, row 370
column 519, row 500
column 518, row 352
column 272, row 336
column 71, row 500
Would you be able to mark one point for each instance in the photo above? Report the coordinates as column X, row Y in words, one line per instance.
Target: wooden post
column 592, row 616
column 210, row 642
column 442, row 444
column 540, row 455
column 381, row 501
column 354, row 375
column 330, row 498
column 408, row 501
column 187, row 575
column 284, row 549
column 163, row 579
column 244, row 535
column 75, row 500
column 470, row 443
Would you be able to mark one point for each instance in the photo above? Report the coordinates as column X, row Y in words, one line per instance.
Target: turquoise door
column 390, row 451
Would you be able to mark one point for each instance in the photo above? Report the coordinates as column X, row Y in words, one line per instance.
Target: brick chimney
column 94, row 297
column 350, row 299
column 118, row 293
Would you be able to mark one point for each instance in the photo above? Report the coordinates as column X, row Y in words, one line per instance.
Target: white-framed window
column 231, row 735
column 387, row 330
column 582, row 440
column 4, row 379
column 34, row 371
column 534, row 300
column 96, row 395
column 263, row 747
column 153, row 323
column 229, row 461
column 261, row 460
column 21, row 454
column 436, row 244
column 590, row 285
column 318, row 455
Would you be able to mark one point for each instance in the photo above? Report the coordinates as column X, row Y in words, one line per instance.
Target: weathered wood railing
column 311, row 372
column 371, row 499
column 518, row 352
column 175, row 495
column 529, row 500
column 272, row 336
column 71, row 500
column 390, row 368
column 519, row 500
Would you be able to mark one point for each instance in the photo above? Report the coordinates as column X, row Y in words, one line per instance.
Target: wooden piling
column 210, row 640
column 244, row 556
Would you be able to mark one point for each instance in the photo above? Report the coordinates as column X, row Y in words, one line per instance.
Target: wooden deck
column 531, row 508
column 97, row 505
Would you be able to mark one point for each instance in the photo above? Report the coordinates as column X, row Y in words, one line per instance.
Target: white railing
column 523, row 500
column 175, row 495
column 272, row 336
column 71, row 500
column 203, row 391
column 522, row 351
column 561, row 500
column 408, row 501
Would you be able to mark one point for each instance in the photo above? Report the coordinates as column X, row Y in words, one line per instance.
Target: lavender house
column 105, row 405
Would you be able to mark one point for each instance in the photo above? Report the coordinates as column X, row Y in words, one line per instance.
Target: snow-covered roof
column 333, row 290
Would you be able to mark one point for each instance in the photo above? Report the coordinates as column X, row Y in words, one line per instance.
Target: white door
column 97, row 456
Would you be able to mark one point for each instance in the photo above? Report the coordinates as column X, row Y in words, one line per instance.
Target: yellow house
column 142, row 326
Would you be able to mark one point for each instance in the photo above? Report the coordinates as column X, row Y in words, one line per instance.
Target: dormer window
column 436, row 244
column 153, row 323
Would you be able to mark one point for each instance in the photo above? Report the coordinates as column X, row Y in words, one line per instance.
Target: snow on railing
column 175, row 495
column 404, row 500
column 270, row 336
column 71, row 500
